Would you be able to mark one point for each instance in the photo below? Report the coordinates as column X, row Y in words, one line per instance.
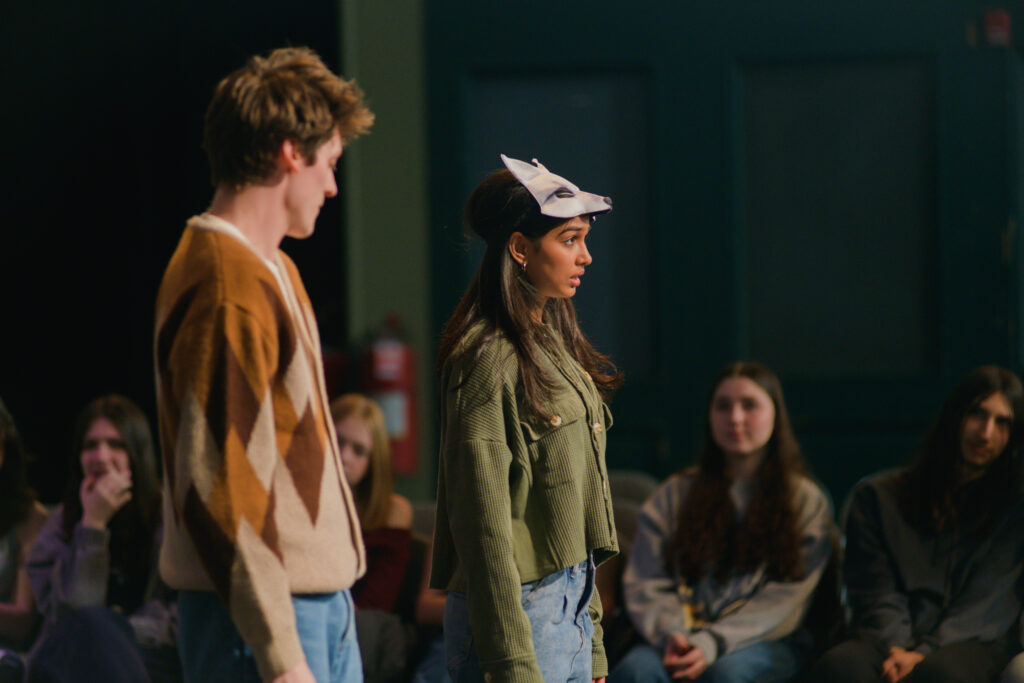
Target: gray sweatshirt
column 721, row 617
column 922, row 591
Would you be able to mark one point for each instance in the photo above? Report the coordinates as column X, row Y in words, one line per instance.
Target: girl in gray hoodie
column 728, row 554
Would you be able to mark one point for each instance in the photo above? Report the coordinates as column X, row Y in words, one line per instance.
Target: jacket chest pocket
column 557, row 445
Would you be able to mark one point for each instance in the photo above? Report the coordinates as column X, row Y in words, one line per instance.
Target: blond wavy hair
column 373, row 492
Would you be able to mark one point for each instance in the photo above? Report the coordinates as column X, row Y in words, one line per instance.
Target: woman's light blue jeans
column 770, row 661
column 556, row 606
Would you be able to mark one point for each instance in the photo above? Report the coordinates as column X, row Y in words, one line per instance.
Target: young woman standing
column 523, row 508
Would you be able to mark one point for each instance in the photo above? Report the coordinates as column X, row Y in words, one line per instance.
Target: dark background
column 834, row 188
column 102, row 121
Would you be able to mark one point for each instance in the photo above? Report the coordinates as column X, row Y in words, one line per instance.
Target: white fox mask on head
column 557, row 197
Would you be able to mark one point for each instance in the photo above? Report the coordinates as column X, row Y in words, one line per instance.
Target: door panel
column 838, row 160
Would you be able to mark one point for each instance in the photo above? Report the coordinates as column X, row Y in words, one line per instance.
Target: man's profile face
column 985, row 431
column 310, row 186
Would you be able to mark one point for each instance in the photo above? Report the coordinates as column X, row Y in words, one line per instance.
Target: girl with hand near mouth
column 93, row 568
column 523, row 508
column 107, row 482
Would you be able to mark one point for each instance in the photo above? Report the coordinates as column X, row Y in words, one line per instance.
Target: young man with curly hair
column 261, row 536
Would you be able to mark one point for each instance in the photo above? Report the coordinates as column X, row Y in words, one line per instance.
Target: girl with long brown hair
column 728, row 553
column 523, row 508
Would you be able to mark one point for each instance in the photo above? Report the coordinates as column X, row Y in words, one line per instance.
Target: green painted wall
column 387, row 258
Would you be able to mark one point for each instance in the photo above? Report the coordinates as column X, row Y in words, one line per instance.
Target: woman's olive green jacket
column 518, row 496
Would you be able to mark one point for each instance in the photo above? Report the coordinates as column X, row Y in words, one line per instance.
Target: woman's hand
column 103, row 495
column 899, row 664
column 298, row 674
column 682, row 660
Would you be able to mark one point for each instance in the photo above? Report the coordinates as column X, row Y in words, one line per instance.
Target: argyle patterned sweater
column 256, row 506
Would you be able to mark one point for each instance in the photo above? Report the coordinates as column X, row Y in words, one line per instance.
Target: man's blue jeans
column 212, row 649
column 556, row 606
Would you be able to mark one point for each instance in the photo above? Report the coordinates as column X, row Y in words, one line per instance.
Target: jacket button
column 556, row 420
column 598, row 427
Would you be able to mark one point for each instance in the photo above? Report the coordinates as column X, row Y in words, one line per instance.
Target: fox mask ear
column 523, row 171
column 556, row 196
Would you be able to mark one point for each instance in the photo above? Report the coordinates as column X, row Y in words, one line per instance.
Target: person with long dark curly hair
column 21, row 517
column 935, row 552
column 728, row 553
column 523, row 507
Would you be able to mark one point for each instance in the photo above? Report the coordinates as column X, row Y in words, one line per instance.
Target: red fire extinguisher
column 389, row 377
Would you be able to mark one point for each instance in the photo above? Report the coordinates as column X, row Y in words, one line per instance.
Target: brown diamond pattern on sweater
column 238, row 491
column 322, row 434
column 165, row 337
column 168, row 331
column 305, row 461
column 286, row 341
column 236, row 404
column 286, row 417
column 218, row 550
column 269, row 534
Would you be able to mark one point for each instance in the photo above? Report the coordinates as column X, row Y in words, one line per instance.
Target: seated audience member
column 21, row 517
column 94, row 562
column 386, row 521
column 728, row 553
column 934, row 551
column 385, row 516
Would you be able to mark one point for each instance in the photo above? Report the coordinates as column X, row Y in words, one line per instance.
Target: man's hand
column 299, row 674
column 102, row 496
column 682, row 660
column 899, row 664
column 599, row 680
